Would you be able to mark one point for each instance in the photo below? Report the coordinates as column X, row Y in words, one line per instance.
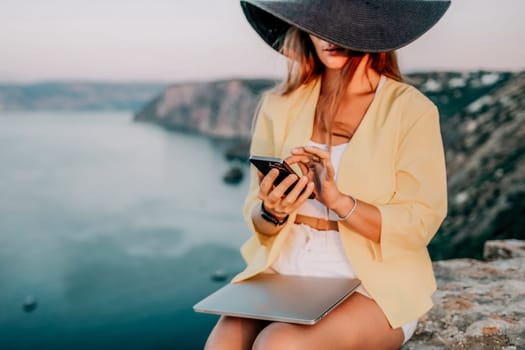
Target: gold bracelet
column 343, row 218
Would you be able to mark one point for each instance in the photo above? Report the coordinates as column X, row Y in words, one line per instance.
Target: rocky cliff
column 485, row 152
column 483, row 126
column 222, row 109
column 225, row 108
column 479, row 305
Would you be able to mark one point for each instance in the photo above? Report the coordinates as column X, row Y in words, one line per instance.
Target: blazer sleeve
column 419, row 204
column 261, row 145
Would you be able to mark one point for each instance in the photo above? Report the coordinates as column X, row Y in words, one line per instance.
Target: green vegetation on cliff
column 483, row 127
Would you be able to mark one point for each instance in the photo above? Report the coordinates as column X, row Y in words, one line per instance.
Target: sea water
column 113, row 228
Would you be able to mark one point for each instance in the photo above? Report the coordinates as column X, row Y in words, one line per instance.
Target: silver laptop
column 275, row 297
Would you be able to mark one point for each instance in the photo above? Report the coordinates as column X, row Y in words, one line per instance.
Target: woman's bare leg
column 234, row 333
column 358, row 323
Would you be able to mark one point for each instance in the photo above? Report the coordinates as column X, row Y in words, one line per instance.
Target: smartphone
column 265, row 164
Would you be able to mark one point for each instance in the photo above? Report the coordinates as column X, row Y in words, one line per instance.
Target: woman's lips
column 334, row 50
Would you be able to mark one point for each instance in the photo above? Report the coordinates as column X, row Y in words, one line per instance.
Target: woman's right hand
column 274, row 199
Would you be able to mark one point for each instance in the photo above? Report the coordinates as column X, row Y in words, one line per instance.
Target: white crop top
column 312, row 207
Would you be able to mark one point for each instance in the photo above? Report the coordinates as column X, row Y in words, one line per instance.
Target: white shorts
column 309, row 252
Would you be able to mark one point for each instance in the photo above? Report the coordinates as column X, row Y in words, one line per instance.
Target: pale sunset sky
column 185, row 40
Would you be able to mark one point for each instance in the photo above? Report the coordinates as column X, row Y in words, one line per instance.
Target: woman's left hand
column 316, row 164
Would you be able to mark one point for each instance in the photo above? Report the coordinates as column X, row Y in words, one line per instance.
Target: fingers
column 313, row 152
column 278, row 192
column 305, row 157
column 319, row 161
column 304, row 169
column 298, row 158
column 297, row 196
column 330, row 172
column 303, row 161
column 275, row 200
column 316, row 151
column 296, row 191
column 317, row 175
column 271, row 194
column 305, row 195
column 303, row 192
column 266, row 183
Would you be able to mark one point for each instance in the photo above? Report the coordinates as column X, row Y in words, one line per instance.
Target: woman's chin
column 335, row 66
column 334, row 62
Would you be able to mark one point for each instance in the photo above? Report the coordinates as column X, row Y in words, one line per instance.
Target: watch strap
column 270, row 218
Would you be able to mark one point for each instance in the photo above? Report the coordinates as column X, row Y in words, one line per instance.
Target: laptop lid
column 275, row 297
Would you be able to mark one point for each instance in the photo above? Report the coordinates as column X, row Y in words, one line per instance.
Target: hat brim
column 359, row 25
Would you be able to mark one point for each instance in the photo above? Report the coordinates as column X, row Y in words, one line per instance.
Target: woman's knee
column 233, row 333
column 223, row 329
column 279, row 336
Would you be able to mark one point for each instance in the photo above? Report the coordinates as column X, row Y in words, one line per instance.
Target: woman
column 369, row 148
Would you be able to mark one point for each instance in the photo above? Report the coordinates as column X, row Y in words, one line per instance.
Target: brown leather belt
column 317, row 223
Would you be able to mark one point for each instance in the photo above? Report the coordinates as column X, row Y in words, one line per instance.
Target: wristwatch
column 270, row 218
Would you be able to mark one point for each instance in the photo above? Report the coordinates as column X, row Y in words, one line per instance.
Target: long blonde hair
column 305, row 66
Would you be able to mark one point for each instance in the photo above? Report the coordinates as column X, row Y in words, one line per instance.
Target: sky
column 190, row 40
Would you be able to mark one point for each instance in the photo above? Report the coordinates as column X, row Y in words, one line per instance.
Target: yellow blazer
column 395, row 160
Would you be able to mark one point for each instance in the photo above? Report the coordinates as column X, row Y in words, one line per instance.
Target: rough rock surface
column 485, row 156
column 221, row 109
column 478, row 305
column 504, row 249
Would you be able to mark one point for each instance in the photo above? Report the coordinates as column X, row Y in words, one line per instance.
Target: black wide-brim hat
column 358, row 25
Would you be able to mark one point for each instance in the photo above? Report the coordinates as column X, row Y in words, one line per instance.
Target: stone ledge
column 505, row 249
column 478, row 305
